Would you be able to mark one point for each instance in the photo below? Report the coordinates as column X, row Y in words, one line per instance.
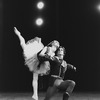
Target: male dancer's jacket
column 58, row 67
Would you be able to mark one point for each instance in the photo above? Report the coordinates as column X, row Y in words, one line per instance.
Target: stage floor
column 27, row 96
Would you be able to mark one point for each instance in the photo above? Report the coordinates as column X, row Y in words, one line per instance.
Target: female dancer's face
column 54, row 48
column 55, row 45
column 51, row 49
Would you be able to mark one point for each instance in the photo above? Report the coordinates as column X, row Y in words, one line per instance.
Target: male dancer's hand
column 74, row 69
column 71, row 66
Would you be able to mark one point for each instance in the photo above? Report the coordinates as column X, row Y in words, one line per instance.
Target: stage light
column 39, row 21
column 40, row 5
column 98, row 7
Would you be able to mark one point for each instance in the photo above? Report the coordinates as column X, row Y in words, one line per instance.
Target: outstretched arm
column 22, row 40
column 66, row 65
column 71, row 66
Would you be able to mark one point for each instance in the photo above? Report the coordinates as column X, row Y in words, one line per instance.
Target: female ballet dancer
column 30, row 51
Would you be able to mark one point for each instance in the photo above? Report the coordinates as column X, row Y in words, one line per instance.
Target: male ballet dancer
column 58, row 67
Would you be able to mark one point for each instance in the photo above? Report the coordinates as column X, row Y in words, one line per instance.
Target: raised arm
column 43, row 52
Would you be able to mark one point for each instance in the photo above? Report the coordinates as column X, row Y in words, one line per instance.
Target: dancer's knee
column 73, row 83
column 70, row 87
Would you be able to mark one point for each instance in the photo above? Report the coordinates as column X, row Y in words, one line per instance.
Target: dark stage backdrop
column 1, row 32
column 74, row 23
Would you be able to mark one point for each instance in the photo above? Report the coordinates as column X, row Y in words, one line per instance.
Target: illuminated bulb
column 39, row 21
column 40, row 5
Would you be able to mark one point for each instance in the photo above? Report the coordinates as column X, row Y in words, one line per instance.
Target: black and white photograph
column 49, row 49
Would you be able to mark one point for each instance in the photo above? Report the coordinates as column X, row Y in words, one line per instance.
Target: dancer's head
column 54, row 44
column 61, row 52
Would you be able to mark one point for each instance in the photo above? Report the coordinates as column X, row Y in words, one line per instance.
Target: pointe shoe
column 35, row 97
column 16, row 31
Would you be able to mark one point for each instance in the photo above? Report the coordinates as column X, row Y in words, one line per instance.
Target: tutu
column 32, row 47
column 30, row 54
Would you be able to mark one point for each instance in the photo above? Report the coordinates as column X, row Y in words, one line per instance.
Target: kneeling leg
column 68, row 87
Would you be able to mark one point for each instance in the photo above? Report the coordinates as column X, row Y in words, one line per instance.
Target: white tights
column 35, row 86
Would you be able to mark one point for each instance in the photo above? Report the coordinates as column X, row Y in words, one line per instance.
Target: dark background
column 74, row 23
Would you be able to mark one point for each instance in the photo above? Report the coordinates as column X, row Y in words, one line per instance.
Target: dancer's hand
column 71, row 66
column 47, row 56
column 74, row 69
column 64, row 64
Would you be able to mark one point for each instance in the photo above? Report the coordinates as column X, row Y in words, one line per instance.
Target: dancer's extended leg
column 35, row 86
column 22, row 40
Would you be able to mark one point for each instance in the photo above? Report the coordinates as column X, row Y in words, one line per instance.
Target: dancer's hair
column 61, row 47
column 55, row 43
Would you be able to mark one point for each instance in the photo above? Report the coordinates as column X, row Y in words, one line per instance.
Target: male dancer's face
column 60, row 53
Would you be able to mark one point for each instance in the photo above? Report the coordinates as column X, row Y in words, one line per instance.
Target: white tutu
column 30, row 51
column 32, row 47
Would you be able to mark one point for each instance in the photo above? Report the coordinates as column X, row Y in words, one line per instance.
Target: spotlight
column 39, row 21
column 98, row 7
column 40, row 5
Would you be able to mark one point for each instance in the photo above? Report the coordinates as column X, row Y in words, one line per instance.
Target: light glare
column 39, row 21
column 98, row 7
column 40, row 5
